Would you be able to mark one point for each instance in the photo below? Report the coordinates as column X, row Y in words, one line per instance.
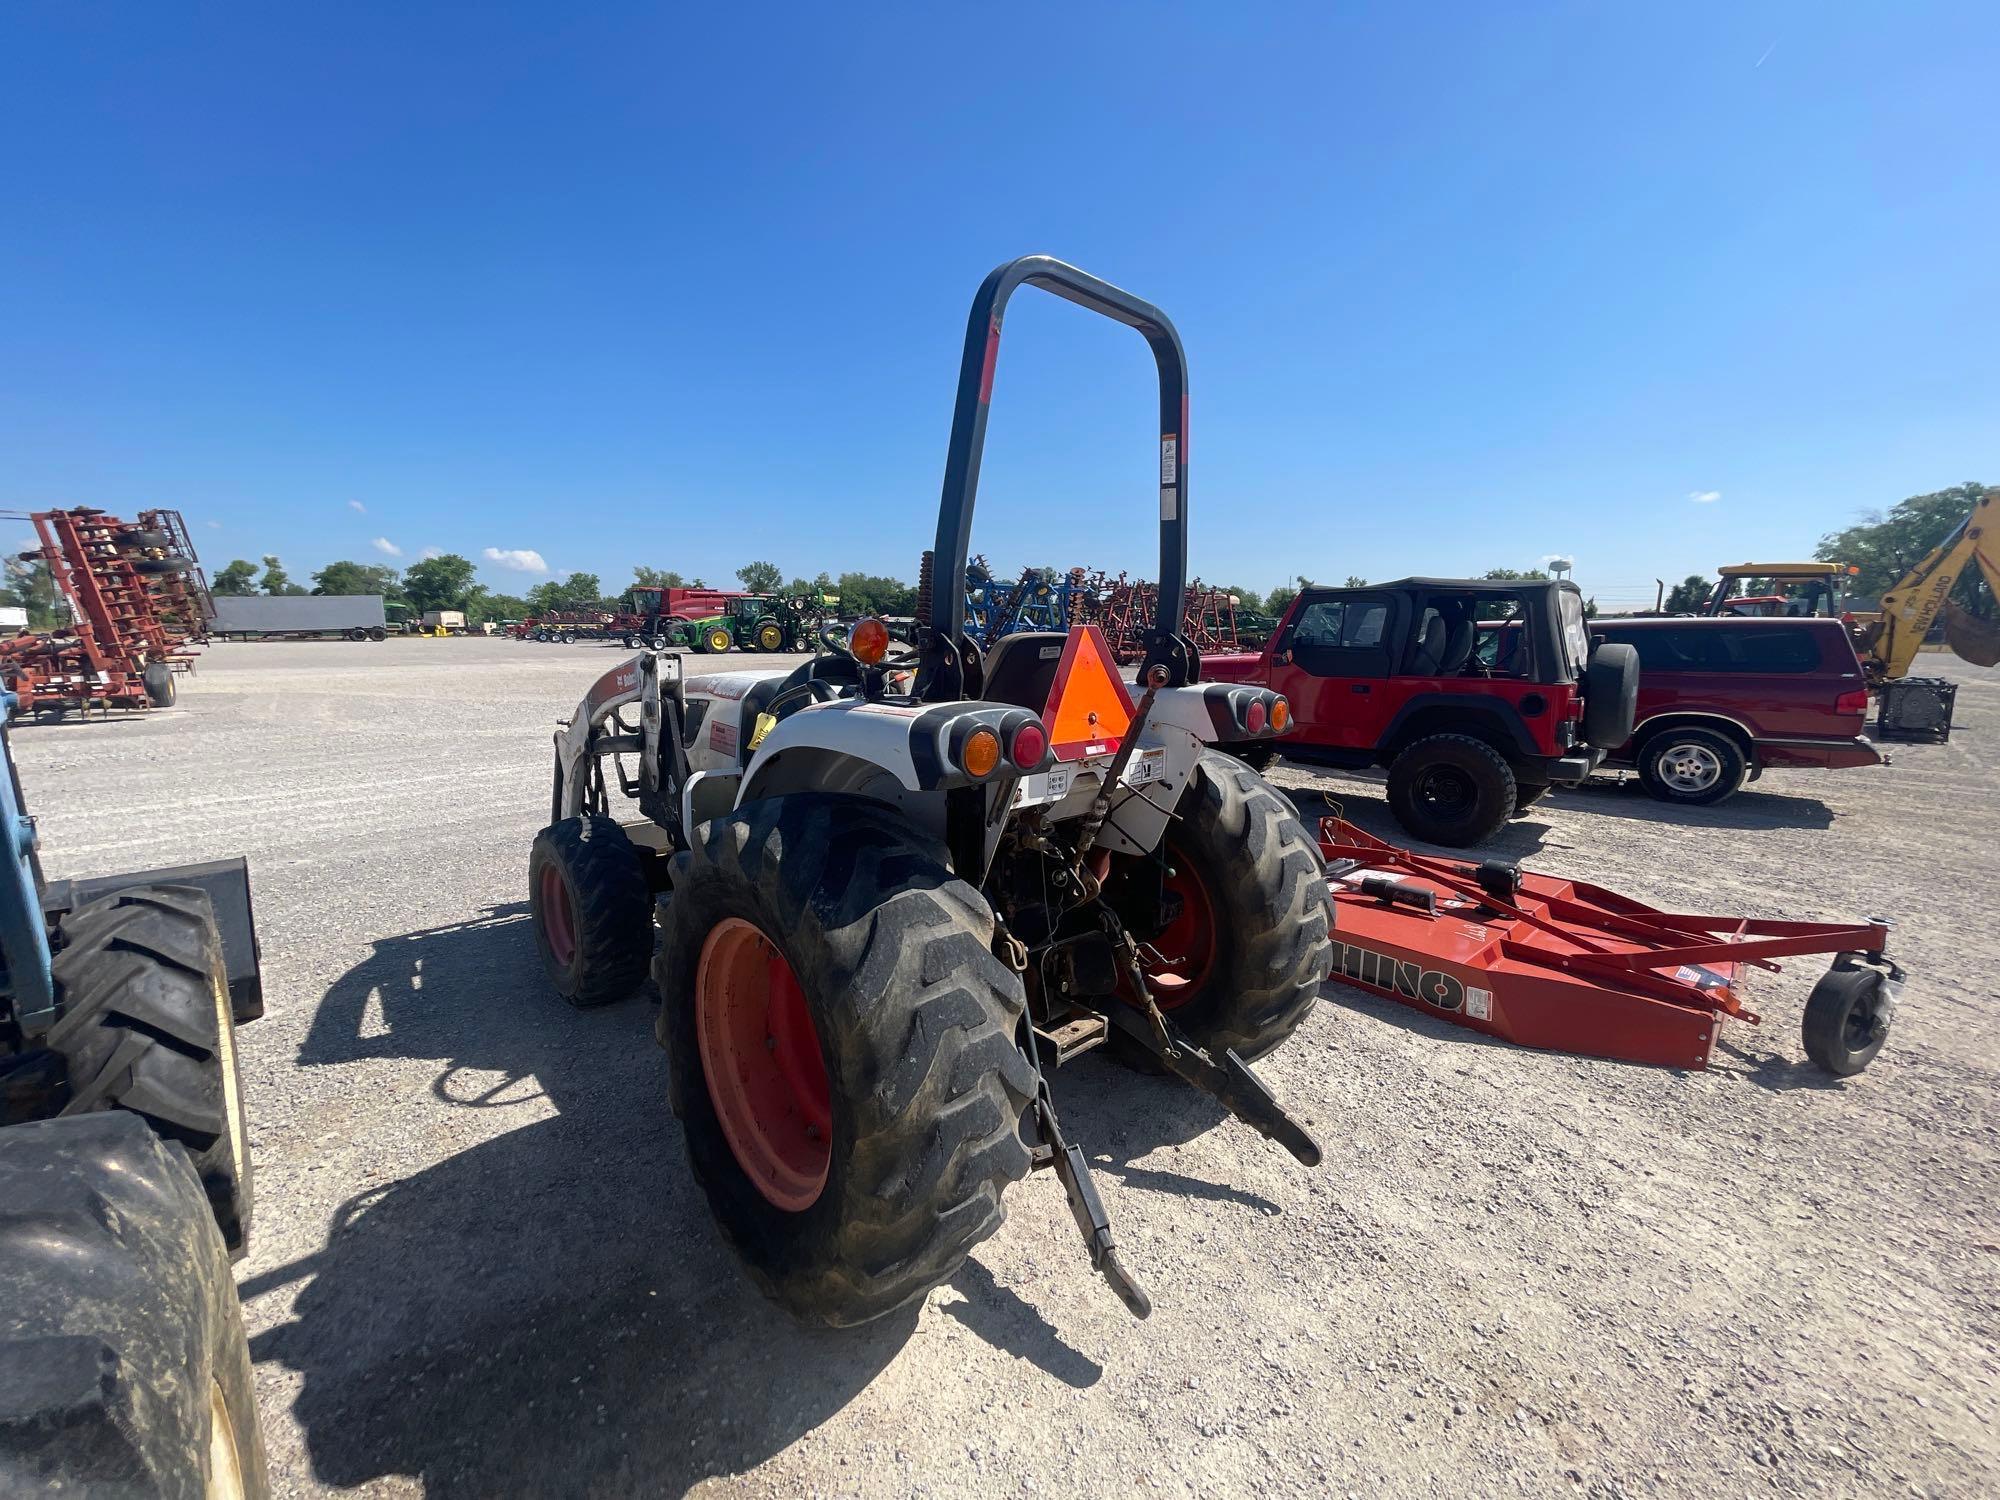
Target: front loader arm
column 1913, row 605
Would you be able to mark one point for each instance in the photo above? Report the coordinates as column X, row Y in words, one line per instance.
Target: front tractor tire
column 592, row 910
column 146, row 1027
column 843, row 1053
column 1247, row 940
column 717, row 639
column 1452, row 789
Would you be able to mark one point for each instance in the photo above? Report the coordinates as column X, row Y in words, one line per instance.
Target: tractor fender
column 911, row 743
column 1216, row 713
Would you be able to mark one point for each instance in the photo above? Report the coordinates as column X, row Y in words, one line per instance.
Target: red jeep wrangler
column 1721, row 699
column 1478, row 696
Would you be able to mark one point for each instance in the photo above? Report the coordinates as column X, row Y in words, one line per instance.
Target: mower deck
column 1550, row 963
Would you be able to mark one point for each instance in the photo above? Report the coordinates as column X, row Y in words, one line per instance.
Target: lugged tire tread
column 926, row 1063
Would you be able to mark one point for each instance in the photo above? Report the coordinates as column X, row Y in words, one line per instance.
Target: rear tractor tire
column 770, row 636
column 1248, row 939
column 1452, row 789
column 146, row 1026
column 123, row 1364
column 843, row 1053
column 592, row 910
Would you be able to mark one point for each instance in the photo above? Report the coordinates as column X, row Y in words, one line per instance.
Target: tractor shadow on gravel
column 550, row 1312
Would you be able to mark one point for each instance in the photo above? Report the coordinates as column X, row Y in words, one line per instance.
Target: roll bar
column 943, row 674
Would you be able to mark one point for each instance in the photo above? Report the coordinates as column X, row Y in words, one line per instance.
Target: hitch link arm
column 1072, row 1170
column 1230, row 1082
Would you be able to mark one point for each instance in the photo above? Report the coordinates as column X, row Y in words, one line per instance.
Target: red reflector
column 1855, row 702
column 1254, row 719
column 1030, row 745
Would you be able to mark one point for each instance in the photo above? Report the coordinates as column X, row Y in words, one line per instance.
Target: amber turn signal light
column 1281, row 716
column 981, row 753
column 868, row 641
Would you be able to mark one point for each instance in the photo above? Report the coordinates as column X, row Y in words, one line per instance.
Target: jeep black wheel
column 1238, row 958
column 843, row 1052
column 1692, row 766
column 123, row 1364
column 146, row 1026
column 1451, row 789
column 592, row 910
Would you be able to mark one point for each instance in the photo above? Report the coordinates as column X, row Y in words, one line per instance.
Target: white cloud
column 1704, row 497
column 357, row 507
column 516, row 559
column 430, row 552
column 386, row 547
column 213, row 525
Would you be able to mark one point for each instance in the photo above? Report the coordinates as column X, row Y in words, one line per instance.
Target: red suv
column 1721, row 700
column 1476, row 695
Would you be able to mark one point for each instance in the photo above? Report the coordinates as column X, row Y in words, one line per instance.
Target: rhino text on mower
column 897, row 887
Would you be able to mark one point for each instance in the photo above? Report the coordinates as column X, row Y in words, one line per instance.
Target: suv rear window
column 1723, row 649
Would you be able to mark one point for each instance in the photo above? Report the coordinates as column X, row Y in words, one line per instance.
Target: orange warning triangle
column 1089, row 709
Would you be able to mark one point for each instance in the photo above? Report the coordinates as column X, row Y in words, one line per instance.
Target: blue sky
column 1461, row 286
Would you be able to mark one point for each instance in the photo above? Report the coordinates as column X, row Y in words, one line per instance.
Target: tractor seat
column 1021, row 668
column 836, row 669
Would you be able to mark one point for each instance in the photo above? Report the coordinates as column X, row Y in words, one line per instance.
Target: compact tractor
column 124, row 1175
column 897, row 887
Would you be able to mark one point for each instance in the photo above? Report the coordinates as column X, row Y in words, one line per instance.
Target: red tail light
column 1256, row 718
column 1031, row 743
column 1855, row 702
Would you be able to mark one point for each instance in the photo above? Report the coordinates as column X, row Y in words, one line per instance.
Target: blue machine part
column 24, row 933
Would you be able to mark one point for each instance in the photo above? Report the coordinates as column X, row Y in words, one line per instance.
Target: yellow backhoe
column 1888, row 639
column 1919, row 708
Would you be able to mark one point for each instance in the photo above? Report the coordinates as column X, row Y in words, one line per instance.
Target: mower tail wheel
column 1451, row 789
column 1847, row 1016
column 592, row 910
column 1247, row 944
column 843, row 1052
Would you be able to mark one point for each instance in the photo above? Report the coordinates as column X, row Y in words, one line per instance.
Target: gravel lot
column 480, row 1266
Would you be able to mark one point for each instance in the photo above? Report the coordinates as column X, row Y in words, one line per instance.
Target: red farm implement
column 136, row 600
column 1571, row 967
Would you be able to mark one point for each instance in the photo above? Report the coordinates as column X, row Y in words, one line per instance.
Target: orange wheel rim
column 1186, row 946
column 558, row 917
column 761, row 1058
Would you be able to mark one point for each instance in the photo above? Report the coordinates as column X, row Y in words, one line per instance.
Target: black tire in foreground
column 1691, row 766
column 123, row 1366
column 1847, row 1017
column 913, row 1021
column 1254, row 922
column 1451, row 789
column 592, row 910
column 146, row 1026
column 158, row 678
